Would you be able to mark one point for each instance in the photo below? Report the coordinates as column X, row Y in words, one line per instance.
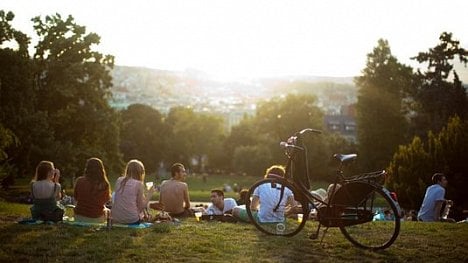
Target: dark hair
column 275, row 171
column 177, row 167
column 95, row 172
column 437, row 177
column 218, row 192
column 243, row 194
column 43, row 169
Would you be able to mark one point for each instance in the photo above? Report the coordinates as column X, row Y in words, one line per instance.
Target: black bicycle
column 360, row 206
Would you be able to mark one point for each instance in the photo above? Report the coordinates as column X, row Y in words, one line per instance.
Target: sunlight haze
column 244, row 39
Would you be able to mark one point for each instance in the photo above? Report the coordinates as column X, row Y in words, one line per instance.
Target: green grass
column 191, row 241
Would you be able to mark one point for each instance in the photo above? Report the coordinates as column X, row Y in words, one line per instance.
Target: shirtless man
column 174, row 193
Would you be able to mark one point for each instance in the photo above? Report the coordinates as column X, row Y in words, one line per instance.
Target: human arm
column 229, row 204
column 437, row 210
column 255, row 202
column 186, row 197
column 141, row 200
column 76, row 190
column 56, row 180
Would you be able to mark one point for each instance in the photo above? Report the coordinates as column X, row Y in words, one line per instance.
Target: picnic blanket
column 86, row 224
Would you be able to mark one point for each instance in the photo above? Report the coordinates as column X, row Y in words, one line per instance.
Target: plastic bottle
column 446, row 210
column 109, row 220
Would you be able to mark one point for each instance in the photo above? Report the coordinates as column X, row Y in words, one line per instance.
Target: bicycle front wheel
column 369, row 218
column 275, row 207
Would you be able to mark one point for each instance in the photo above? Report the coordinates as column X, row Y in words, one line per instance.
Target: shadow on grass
column 334, row 248
column 61, row 242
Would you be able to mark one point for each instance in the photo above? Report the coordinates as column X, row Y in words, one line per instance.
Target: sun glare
column 245, row 39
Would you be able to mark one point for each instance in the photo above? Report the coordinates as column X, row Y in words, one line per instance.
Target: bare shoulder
column 164, row 182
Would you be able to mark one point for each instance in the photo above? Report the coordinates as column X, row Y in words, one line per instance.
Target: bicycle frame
column 295, row 149
column 352, row 203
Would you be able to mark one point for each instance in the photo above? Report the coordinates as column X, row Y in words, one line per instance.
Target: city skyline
column 244, row 39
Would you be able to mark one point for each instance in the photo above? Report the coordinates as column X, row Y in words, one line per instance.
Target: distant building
column 345, row 125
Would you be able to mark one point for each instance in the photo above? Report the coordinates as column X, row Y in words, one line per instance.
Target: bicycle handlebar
column 309, row 130
column 286, row 145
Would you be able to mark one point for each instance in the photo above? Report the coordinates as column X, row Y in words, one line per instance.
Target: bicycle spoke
column 276, row 213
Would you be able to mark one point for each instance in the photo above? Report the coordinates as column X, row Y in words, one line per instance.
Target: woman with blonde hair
column 130, row 200
column 46, row 191
column 92, row 192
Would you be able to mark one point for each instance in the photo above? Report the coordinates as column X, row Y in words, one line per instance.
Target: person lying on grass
column 220, row 205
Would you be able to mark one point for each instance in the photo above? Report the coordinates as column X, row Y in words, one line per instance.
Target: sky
column 255, row 38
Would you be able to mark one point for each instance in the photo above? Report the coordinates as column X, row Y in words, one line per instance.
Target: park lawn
column 192, row 241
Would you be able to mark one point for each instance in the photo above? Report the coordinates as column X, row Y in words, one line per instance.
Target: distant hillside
column 166, row 89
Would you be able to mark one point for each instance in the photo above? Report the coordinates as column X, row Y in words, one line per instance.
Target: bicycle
column 353, row 204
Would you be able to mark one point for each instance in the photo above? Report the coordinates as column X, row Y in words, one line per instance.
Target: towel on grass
column 78, row 223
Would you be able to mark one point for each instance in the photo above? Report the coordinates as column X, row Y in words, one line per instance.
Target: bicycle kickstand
column 315, row 235
column 323, row 235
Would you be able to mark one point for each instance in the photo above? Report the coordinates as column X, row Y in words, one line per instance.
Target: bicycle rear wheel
column 274, row 206
column 369, row 216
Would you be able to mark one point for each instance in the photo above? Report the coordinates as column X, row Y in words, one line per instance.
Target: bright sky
column 251, row 38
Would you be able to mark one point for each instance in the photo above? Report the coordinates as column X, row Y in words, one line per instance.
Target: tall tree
column 380, row 114
column 17, row 97
column 73, row 86
column 143, row 135
column 436, row 97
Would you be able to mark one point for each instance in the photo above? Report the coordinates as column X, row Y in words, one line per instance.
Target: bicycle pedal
column 313, row 236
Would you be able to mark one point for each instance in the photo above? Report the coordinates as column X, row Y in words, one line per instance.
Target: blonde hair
column 134, row 169
column 275, row 171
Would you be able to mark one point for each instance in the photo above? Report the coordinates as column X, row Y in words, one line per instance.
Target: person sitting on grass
column 434, row 199
column 174, row 195
column 45, row 192
column 129, row 199
column 220, row 205
column 266, row 197
column 92, row 192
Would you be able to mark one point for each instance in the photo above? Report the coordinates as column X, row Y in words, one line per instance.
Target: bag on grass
column 55, row 216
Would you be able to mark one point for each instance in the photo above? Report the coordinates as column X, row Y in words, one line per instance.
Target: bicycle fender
column 397, row 205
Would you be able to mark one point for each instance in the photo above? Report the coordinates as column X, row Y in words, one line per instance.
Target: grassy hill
column 192, row 241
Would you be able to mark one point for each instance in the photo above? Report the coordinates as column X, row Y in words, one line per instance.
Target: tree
column 195, row 137
column 436, row 97
column 276, row 120
column 252, row 159
column 73, row 86
column 413, row 165
column 143, row 135
column 17, row 98
column 380, row 113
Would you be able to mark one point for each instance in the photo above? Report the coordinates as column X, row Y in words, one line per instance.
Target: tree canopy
column 380, row 113
column 437, row 98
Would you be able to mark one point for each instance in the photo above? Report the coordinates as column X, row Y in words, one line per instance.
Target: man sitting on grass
column 434, row 199
column 174, row 194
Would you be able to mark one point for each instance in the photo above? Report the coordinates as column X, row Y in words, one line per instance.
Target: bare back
column 174, row 196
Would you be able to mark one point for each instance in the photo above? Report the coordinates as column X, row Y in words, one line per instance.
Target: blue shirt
column 433, row 194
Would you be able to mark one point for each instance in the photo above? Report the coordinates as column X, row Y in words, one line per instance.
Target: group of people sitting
column 92, row 193
column 128, row 203
column 95, row 202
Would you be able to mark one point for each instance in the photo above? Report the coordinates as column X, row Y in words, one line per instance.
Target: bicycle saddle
column 345, row 158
